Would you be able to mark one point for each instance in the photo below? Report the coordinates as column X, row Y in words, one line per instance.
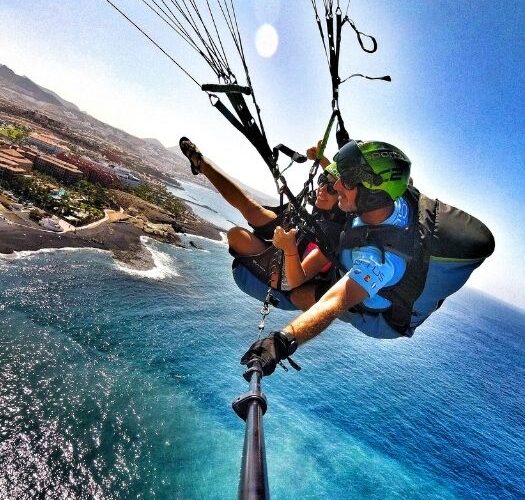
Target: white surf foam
column 24, row 254
column 163, row 264
column 186, row 238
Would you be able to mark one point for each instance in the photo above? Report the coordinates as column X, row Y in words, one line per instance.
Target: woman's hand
column 285, row 240
column 312, row 152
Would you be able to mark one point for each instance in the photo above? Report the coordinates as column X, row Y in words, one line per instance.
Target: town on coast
column 58, row 189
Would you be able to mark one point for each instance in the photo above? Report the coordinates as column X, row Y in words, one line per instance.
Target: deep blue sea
column 118, row 384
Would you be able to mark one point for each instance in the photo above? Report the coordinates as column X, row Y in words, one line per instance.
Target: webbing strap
column 405, row 293
column 385, row 237
column 359, row 39
column 226, row 89
column 246, row 125
column 341, row 134
column 253, row 133
column 228, row 115
column 334, row 42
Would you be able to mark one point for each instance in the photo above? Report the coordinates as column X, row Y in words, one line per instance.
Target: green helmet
column 332, row 170
column 381, row 168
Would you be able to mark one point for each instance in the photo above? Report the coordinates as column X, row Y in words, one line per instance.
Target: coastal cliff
column 119, row 232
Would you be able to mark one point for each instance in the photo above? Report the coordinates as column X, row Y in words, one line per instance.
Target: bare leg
column 303, row 297
column 244, row 242
column 254, row 213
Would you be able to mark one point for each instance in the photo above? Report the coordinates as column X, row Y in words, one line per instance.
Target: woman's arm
column 297, row 272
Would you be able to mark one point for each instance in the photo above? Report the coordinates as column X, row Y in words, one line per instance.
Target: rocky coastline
column 120, row 235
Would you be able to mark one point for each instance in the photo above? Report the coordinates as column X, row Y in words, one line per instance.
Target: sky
column 454, row 106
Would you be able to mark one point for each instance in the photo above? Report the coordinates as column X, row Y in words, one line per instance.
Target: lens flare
column 266, row 40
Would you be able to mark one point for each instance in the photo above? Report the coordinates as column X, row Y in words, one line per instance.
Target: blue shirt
column 365, row 264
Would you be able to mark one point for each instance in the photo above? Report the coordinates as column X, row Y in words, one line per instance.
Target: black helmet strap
column 371, row 199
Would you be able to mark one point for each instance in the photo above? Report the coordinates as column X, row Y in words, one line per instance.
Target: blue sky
column 455, row 104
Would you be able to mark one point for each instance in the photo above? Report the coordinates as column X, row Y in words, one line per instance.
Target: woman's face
column 326, row 195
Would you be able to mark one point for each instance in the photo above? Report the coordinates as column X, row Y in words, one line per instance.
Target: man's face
column 346, row 197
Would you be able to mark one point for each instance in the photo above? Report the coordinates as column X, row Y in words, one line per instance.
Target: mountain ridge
column 146, row 154
column 32, row 89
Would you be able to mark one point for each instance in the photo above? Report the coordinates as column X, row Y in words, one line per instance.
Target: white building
column 126, row 176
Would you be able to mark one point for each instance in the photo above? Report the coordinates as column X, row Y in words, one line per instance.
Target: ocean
column 118, row 384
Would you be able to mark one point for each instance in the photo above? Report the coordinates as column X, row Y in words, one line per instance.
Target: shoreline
column 121, row 238
column 117, row 232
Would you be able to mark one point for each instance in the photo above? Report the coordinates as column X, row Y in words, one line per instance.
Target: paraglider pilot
column 403, row 254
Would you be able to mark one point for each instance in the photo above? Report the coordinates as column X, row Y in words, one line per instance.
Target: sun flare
column 266, row 40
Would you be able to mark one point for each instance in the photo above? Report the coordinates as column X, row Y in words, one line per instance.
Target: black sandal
column 188, row 150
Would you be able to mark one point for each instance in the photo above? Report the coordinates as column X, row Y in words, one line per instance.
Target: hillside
column 26, row 87
column 41, row 109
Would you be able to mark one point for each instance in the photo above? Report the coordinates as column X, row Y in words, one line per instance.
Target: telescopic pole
column 251, row 406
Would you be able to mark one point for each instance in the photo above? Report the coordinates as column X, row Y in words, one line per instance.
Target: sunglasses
column 323, row 181
column 351, row 178
column 348, row 183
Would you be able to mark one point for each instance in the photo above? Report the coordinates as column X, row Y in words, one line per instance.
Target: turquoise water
column 116, row 384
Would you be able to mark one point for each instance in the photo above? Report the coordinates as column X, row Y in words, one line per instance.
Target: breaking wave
column 163, row 264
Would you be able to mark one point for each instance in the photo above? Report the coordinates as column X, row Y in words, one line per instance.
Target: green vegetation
column 93, row 194
column 159, row 195
column 14, row 132
column 84, row 201
column 35, row 214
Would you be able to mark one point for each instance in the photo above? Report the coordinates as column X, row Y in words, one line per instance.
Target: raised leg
column 254, row 213
column 243, row 242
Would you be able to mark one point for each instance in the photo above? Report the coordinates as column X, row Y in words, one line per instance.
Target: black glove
column 270, row 350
